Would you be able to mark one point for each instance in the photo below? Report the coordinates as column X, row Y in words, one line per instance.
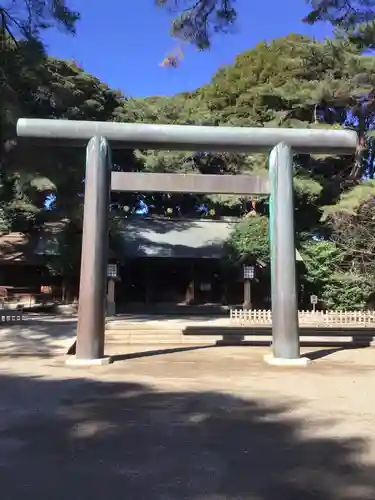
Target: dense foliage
column 354, row 20
column 197, row 21
column 290, row 82
column 26, row 19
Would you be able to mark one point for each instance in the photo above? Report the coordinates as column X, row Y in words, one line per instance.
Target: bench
column 312, row 336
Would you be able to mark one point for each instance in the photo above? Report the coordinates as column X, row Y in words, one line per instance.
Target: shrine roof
column 173, row 238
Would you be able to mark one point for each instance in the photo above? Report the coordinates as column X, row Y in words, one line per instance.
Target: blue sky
column 123, row 43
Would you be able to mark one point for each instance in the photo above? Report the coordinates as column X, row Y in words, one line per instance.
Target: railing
column 11, row 315
column 306, row 318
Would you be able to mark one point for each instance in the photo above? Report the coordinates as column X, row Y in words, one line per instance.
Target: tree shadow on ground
column 147, row 353
column 323, row 353
column 42, row 335
column 86, row 440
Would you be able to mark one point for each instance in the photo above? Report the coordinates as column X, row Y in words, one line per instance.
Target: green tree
column 353, row 19
column 196, row 21
column 249, row 239
column 23, row 70
column 290, row 82
column 27, row 18
column 352, row 222
column 52, row 89
column 45, row 87
column 329, row 277
column 298, row 82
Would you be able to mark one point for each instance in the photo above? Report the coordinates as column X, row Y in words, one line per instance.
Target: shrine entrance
column 100, row 180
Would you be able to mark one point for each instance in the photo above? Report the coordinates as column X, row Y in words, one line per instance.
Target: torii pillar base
column 286, row 362
column 77, row 362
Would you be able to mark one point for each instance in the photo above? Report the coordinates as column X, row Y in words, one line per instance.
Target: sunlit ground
column 207, row 423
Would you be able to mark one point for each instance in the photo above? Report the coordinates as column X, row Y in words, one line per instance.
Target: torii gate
column 99, row 181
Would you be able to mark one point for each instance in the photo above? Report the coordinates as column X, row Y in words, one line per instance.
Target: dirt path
column 45, row 334
column 208, row 423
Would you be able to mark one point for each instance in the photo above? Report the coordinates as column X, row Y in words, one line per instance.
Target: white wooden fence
column 306, row 318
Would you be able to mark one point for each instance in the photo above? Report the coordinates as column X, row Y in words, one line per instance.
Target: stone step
column 158, row 338
column 151, row 336
column 143, row 328
column 153, row 341
column 173, row 326
column 123, row 332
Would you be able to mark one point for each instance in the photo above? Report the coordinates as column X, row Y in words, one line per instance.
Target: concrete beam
column 190, row 183
column 188, row 137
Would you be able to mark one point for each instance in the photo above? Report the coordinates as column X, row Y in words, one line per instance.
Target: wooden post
column 247, row 294
column 190, row 291
column 111, row 303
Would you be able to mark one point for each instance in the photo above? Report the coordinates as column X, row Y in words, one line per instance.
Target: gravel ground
column 207, row 423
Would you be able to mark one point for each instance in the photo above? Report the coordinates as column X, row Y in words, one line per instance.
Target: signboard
column 313, row 299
